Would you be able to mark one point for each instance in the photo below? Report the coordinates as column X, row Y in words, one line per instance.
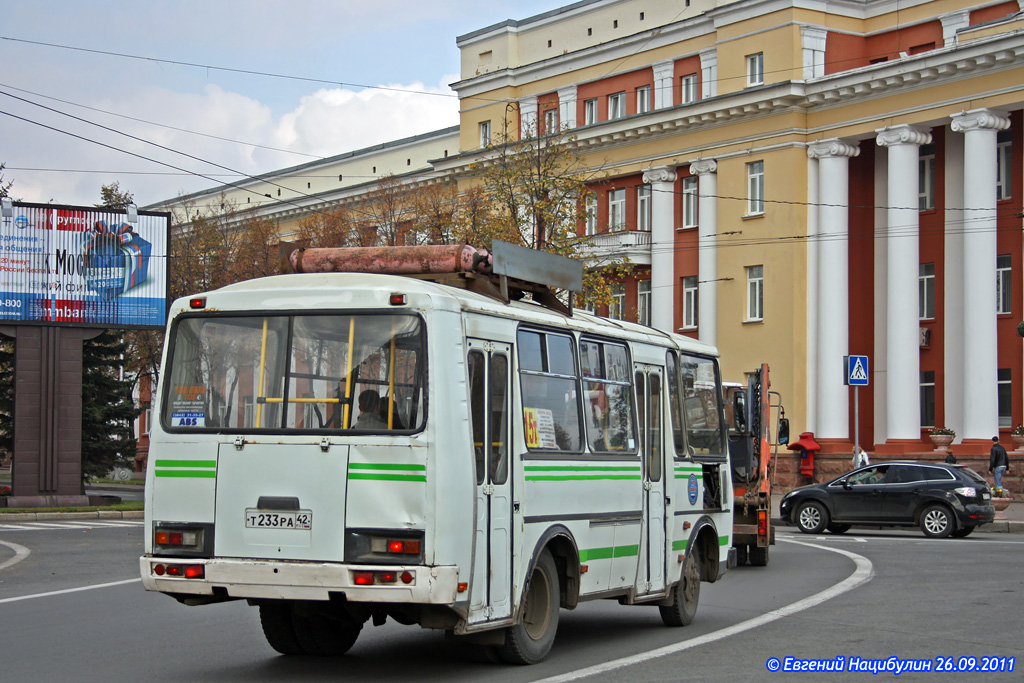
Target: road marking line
column 861, row 575
column 20, row 553
column 68, row 590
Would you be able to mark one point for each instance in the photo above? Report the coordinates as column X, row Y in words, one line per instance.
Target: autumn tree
column 4, row 187
column 537, row 187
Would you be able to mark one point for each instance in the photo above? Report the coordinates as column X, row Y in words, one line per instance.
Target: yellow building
column 817, row 179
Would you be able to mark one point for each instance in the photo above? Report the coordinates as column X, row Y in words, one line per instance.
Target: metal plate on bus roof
column 540, row 267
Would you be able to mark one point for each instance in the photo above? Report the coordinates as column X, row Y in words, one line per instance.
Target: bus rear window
column 297, row 373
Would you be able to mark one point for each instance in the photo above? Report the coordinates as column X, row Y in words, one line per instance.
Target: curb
column 66, row 516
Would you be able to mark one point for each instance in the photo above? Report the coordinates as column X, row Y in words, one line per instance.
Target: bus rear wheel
column 686, row 593
column 279, row 629
column 530, row 641
column 294, row 628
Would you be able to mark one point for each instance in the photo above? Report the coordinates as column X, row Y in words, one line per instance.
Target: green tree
column 4, row 187
column 108, row 410
column 6, row 394
column 113, row 197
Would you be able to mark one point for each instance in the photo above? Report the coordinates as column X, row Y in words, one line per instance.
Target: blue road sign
column 857, row 371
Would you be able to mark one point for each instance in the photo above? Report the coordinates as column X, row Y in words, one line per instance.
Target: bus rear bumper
column 274, row 580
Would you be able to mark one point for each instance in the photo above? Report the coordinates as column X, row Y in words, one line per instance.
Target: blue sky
column 407, row 45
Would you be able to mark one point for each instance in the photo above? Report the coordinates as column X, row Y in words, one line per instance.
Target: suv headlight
column 966, row 491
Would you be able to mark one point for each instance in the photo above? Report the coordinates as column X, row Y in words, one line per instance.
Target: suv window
column 872, row 475
column 906, row 474
column 937, row 474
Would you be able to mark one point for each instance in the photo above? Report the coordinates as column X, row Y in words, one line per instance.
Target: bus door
column 651, row 573
column 490, row 595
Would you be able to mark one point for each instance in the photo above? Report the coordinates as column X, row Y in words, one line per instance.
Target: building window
column 643, row 207
column 755, row 69
column 1004, row 166
column 485, row 133
column 1004, row 285
column 755, row 293
column 616, row 106
column 755, row 188
column 618, row 304
column 590, row 111
column 643, row 302
column 689, row 88
column 690, row 303
column 926, row 178
column 591, row 225
column 926, row 291
column 927, row 398
column 551, row 121
column 643, row 99
column 1005, row 389
column 690, row 202
column 617, row 210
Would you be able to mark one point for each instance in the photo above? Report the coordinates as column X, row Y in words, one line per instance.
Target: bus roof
column 280, row 292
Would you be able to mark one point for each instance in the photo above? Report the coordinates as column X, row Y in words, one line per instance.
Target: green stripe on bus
column 579, row 468
column 609, row 553
column 388, row 477
column 186, row 463
column 723, row 540
column 582, row 477
column 680, row 545
column 385, row 466
column 196, row 474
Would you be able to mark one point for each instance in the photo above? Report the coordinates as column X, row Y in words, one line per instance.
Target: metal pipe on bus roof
column 415, row 260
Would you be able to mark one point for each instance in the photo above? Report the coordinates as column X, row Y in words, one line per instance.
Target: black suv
column 944, row 500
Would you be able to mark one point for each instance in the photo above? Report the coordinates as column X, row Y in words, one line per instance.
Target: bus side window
column 675, row 407
column 499, row 419
column 477, row 396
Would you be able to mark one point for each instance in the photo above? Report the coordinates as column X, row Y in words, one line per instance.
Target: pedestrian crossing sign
column 856, row 371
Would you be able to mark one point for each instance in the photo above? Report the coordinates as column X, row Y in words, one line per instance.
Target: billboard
column 83, row 266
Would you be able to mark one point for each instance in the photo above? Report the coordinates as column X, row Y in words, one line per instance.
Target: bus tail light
column 381, row 546
column 379, row 578
column 188, row 571
column 189, row 540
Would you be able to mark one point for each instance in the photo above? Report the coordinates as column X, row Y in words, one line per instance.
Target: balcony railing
column 611, row 246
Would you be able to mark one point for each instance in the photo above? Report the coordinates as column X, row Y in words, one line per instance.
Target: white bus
column 342, row 448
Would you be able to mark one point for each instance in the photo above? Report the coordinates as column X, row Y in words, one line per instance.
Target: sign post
column 855, row 374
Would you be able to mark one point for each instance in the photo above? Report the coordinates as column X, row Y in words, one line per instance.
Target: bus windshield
column 296, row 373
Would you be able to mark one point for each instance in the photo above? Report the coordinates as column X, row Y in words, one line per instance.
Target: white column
column 708, row 73
column 954, row 335
column 981, row 405
column 663, row 235
column 707, row 249
column 813, row 199
column 567, row 107
column 527, row 117
column 902, row 327
column 833, row 284
column 664, row 72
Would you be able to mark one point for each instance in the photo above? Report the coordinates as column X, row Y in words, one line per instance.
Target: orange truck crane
column 751, row 455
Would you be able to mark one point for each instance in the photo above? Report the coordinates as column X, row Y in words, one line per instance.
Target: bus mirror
column 739, row 412
column 783, row 431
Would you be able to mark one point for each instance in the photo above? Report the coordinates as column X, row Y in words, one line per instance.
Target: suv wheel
column 936, row 522
column 963, row 532
column 812, row 517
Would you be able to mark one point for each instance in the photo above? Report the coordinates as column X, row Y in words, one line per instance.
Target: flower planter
column 1001, row 504
column 1018, row 442
column 941, row 441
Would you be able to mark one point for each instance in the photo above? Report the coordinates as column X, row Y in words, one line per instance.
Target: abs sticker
column 188, row 406
column 691, row 489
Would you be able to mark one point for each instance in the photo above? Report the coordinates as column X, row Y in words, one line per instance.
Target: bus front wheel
column 530, row 641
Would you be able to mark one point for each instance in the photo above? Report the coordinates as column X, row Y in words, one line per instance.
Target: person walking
column 998, row 461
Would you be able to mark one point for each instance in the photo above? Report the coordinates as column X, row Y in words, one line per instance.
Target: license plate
column 985, row 496
column 290, row 519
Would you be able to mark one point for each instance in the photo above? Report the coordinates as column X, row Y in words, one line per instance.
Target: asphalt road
column 871, row 595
